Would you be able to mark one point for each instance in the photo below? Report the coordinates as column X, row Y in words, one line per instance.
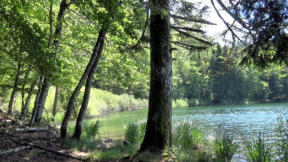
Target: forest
column 143, row 80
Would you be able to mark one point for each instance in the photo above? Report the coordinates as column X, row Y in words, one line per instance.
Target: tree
column 24, row 40
column 110, row 22
column 83, row 109
column 224, row 75
column 52, row 53
column 264, row 26
column 158, row 131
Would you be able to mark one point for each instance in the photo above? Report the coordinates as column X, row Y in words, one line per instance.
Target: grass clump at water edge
column 257, row 150
column 224, row 146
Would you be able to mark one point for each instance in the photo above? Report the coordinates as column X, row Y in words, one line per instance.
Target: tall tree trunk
column 34, row 112
column 55, row 104
column 28, row 99
column 83, row 109
column 12, row 97
column 42, row 100
column 70, row 106
column 57, row 35
column 23, row 88
column 158, row 130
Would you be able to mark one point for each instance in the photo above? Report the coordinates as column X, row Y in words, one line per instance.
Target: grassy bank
column 101, row 102
column 189, row 144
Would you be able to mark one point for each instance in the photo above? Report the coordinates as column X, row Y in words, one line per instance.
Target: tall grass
column 132, row 133
column 283, row 137
column 224, row 146
column 104, row 102
column 91, row 130
column 188, row 143
column 186, row 136
column 257, row 150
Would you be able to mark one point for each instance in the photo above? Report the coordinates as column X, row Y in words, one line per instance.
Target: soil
column 19, row 143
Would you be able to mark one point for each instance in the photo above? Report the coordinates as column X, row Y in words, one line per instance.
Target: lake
column 240, row 120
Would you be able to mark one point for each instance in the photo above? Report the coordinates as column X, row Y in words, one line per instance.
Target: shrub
column 132, row 133
column 257, row 150
column 59, row 117
column 108, row 102
column 186, row 136
column 180, row 103
column 193, row 102
column 92, row 129
column 224, row 147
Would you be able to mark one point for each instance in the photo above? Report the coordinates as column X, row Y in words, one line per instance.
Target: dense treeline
column 215, row 77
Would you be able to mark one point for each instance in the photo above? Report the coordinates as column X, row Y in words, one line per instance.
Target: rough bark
column 55, row 104
column 32, row 120
column 12, row 97
column 70, row 106
column 158, row 130
column 42, row 100
column 57, row 35
column 83, row 109
column 23, row 88
column 28, row 99
column 59, row 25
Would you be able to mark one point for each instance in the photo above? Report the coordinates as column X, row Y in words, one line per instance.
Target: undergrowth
column 224, row 146
column 257, row 150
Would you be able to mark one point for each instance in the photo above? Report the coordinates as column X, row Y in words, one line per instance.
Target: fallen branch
column 42, row 148
column 48, row 150
column 14, row 150
column 30, row 129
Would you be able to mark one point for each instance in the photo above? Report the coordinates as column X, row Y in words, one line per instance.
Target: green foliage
column 215, row 77
column 106, row 102
column 224, row 146
column 180, row 103
column 91, row 129
column 132, row 133
column 269, row 19
column 186, row 136
column 257, row 150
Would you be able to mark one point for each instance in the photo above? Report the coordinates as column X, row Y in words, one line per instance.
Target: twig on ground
column 14, row 150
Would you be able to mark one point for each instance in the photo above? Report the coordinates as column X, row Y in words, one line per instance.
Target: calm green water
column 241, row 120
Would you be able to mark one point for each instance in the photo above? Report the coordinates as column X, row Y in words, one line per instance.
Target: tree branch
column 234, row 35
column 143, row 33
column 232, row 15
column 188, row 46
column 193, row 20
column 193, row 37
column 187, row 28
